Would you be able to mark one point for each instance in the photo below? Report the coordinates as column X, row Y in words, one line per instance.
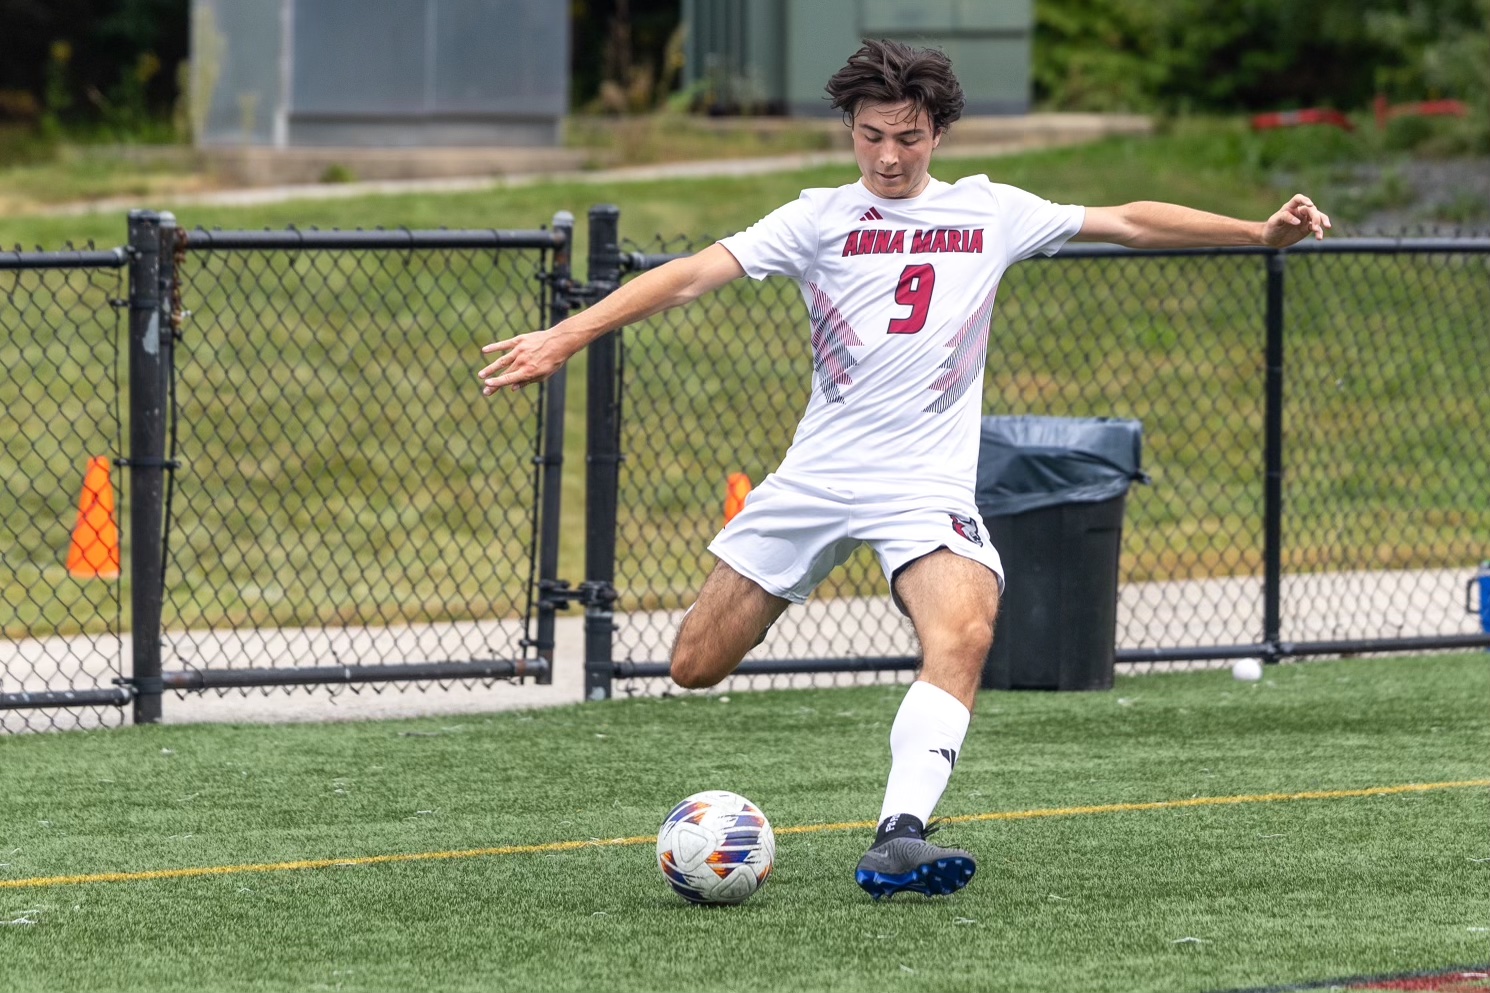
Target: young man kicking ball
column 898, row 271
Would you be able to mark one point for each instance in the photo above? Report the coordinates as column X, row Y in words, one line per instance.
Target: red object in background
column 1294, row 118
column 1427, row 108
column 1383, row 112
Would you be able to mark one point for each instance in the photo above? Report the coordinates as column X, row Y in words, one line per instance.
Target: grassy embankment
column 1178, row 346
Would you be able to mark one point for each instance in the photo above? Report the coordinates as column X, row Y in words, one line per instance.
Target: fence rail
column 17, row 260
column 318, row 496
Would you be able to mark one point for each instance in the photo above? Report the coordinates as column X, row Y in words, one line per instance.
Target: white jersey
column 900, row 297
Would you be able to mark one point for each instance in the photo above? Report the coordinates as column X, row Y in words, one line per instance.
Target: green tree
column 615, row 41
column 117, row 51
column 1096, row 54
column 1228, row 55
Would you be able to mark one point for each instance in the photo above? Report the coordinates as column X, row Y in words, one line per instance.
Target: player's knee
column 691, row 671
column 978, row 640
column 969, row 636
column 692, row 665
column 979, row 634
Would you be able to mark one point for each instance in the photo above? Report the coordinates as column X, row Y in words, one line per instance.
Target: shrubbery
column 1220, row 55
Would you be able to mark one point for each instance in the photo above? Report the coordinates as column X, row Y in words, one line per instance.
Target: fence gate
column 318, row 494
column 347, row 508
column 61, row 655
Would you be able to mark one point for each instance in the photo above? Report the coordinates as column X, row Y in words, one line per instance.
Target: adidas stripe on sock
column 924, row 742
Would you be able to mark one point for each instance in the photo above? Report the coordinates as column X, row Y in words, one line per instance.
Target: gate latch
column 557, row 594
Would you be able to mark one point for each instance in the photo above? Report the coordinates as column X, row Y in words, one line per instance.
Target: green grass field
column 1214, row 165
column 1212, row 895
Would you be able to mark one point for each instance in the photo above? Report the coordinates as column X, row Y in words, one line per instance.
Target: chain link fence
column 1388, row 446
column 1376, row 505
column 320, row 497
column 348, row 501
column 60, row 588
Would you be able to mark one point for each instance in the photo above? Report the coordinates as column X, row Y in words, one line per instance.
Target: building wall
column 237, row 96
column 788, row 48
column 737, row 51
column 380, row 73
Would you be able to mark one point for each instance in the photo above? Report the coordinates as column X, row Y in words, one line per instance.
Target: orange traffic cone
column 95, row 538
column 735, row 492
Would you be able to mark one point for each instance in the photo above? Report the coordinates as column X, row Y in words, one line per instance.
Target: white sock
column 924, row 742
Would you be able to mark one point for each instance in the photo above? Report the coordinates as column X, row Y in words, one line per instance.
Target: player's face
column 893, row 143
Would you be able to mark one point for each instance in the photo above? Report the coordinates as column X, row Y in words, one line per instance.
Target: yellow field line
column 569, row 846
column 1199, row 801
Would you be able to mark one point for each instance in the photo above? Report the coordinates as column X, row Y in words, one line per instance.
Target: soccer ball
column 716, row 847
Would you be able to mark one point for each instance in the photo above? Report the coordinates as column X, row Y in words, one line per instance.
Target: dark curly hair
column 893, row 72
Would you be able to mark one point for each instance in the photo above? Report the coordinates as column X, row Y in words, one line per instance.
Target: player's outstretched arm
column 1146, row 224
column 533, row 357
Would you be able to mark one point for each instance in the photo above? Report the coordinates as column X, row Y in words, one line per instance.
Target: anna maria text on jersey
column 893, row 241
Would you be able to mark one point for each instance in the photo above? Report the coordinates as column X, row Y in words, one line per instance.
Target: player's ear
column 936, row 137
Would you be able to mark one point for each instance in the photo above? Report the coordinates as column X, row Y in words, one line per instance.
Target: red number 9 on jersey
column 913, row 291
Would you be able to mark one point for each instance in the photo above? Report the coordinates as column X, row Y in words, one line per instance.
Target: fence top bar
column 113, row 258
column 1330, row 246
column 1101, row 250
column 201, row 239
column 1408, row 246
column 633, row 262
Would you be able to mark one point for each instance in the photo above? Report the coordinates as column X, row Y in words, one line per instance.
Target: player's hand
column 1294, row 222
column 528, row 358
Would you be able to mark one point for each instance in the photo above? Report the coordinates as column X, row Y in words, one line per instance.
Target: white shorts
column 791, row 534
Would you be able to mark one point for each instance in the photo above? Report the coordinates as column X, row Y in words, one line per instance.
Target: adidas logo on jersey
column 872, row 214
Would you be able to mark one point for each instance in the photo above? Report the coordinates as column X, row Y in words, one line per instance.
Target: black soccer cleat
column 903, row 863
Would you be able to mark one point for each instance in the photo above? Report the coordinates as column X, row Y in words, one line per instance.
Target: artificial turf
column 1203, row 897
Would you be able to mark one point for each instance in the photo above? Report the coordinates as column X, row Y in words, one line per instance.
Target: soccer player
column 898, row 271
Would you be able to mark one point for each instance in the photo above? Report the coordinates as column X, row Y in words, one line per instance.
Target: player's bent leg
column 953, row 602
column 730, row 617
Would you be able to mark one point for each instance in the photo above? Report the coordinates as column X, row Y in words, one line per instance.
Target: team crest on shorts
column 967, row 527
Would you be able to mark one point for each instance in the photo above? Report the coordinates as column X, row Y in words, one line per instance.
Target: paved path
column 972, row 138
column 1323, row 606
column 257, row 196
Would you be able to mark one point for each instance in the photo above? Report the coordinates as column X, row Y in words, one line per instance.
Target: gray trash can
column 1051, row 490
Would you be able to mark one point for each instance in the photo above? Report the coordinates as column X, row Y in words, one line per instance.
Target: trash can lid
column 1028, row 463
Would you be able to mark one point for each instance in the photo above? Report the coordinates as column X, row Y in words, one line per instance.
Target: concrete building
column 379, row 73
column 773, row 56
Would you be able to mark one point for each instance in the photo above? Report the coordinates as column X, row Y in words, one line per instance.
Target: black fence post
column 603, row 458
column 1272, row 579
column 149, row 353
column 551, row 459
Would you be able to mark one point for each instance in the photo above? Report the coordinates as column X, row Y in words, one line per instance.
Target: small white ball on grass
column 1247, row 670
